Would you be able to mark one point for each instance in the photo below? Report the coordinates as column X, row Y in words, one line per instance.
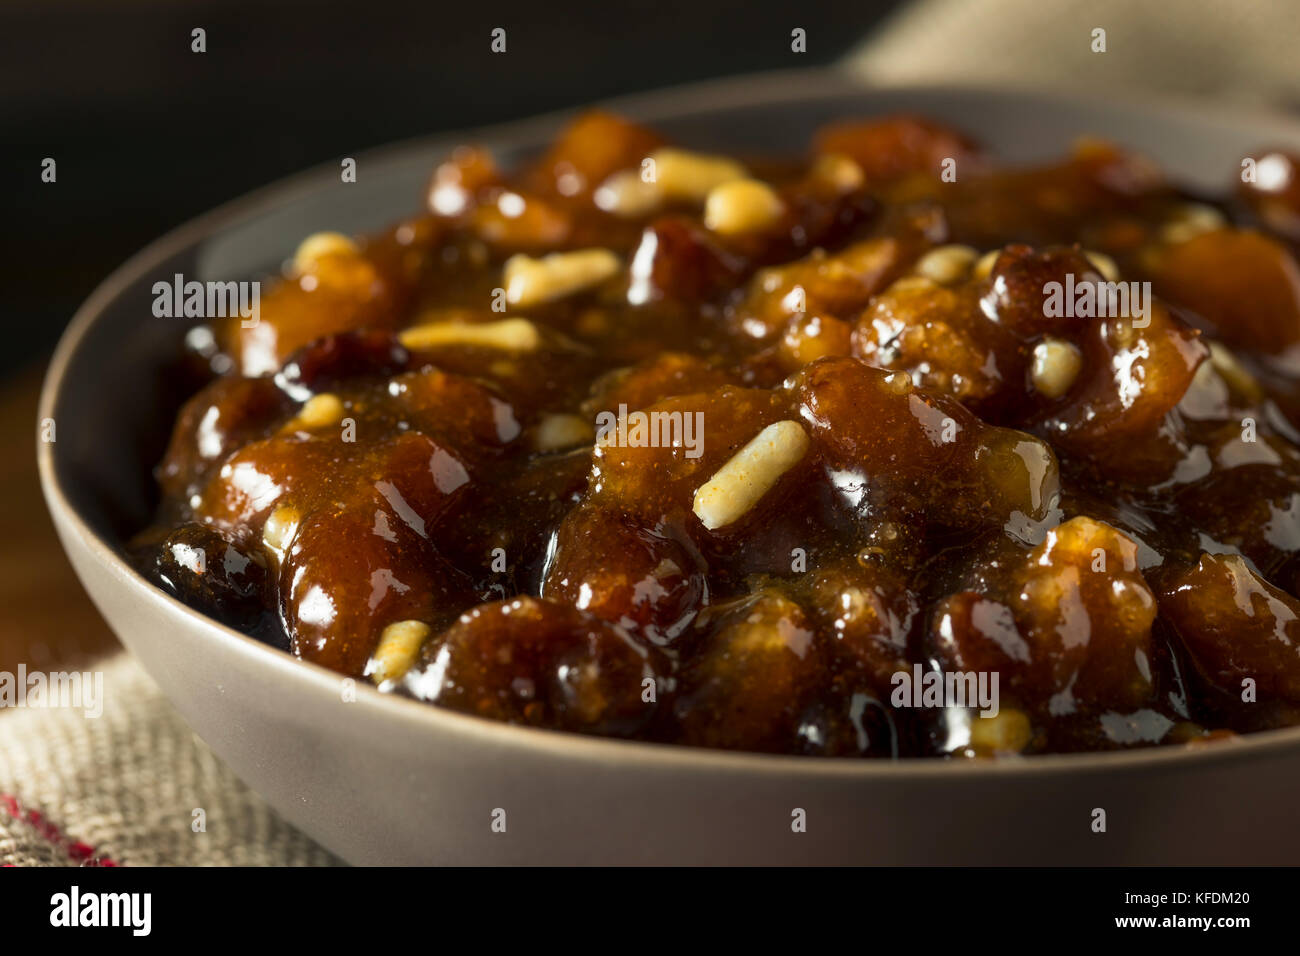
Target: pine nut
column 947, row 264
column 317, row 412
column 839, row 172
column 399, row 644
column 1055, row 366
column 626, row 194
column 906, row 284
column 556, row 432
column 1103, row 264
column 515, row 335
column 691, row 176
column 741, row 206
column 750, row 474
column 278, row 531
column 318, row 245
column 984, row 267
column 530, row 281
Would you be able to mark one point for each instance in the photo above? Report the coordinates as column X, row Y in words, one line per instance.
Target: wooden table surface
column 46, row 619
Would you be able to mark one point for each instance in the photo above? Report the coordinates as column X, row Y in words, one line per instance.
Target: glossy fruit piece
column 221, row 417
column 643, row 579
column 334, row 293
column 535, row 662
column 1068, row 629
column 650, row 381
column 746, row 687
column 349, row 573
column 1237, row 626
column 198, row 565
column 659, row 480
column 890, row 147
column 942, row 339
column 1245, row 284
column 904, row 452
column 336, row 359
column 591, row 148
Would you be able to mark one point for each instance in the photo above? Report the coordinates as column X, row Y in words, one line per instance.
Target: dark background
column 147, row 134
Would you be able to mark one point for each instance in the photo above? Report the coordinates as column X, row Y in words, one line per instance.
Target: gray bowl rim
column 779, row 87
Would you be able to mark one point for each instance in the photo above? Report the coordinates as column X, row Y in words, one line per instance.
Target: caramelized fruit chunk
column 1246, row 285
column 1131, row 379
column 941, row 338
column 458, row 181
column 745, row 687
column 337, row 359
column 207, row 571
column 957, row 473
column 337, row 292
column 347, row 575
column 254, row 480
column 646, row 580
column 665, row 375
column 1070, row 632
column 512, row 221
column 1252, row 506
column 464, row 413
column 224, row 415
column 731, row 443
column 1237, row 626
column 542, row 664
column 869, row 612
column 1274, row 192
column 678, row 259
column 646, row 474
column 838, row 284
column 894, row 146
column 589, row 150
column 844, row 721
column 1087, row 614
column 808, row 337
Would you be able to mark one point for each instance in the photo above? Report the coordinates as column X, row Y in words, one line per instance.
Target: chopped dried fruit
column 879, row 451
column 541, row 664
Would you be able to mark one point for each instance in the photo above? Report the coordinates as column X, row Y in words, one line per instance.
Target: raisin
column 199, row 566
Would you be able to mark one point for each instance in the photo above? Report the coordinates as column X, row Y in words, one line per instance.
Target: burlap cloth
column 123, row 788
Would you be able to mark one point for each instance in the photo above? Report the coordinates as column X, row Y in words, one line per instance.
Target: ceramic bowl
column 379, row 779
